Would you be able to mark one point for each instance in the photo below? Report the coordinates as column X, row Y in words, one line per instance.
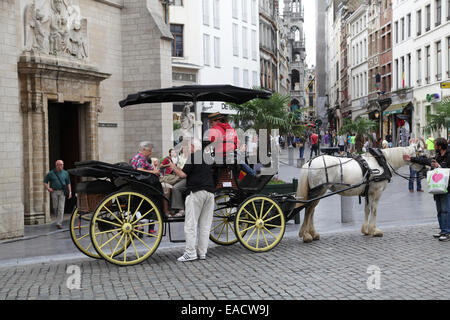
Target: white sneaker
column 186, row 257
column 202, row 257
column 444, row 237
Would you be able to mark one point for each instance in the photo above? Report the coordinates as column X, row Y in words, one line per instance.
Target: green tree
column 441, row 119
column 362, row 128
column 267, row 114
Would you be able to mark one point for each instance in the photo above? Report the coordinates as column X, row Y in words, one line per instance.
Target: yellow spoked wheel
column 134, row 227
column 265, row 224
column 79, row 231
column 222, row 228
column 80, row 224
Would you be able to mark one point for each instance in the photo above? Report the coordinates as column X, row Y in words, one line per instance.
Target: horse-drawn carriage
column 119, row 214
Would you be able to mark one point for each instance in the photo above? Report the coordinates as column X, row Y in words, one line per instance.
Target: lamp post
column 383, row 104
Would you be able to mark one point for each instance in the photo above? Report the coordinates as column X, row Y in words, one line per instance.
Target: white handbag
column 437, row 181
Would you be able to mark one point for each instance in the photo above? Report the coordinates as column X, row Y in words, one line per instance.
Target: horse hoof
column 307, row 238
column 378, row 234
column 365, row 231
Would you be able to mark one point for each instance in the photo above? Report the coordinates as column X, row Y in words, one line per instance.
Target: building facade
column 430, row 59
column 293, row 17
column 215, row 42
column 358, row 70
column 334, row 89
column 65, row 66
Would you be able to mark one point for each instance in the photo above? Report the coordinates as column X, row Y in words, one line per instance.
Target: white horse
column 314, row 175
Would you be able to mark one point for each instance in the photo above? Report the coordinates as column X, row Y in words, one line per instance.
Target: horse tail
column 303, row 186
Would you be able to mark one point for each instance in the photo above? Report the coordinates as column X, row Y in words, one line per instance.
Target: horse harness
column 369, row 175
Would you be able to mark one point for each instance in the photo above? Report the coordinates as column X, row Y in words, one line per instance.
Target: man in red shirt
column 221, row 131
column 223, row 137
column 314, row 144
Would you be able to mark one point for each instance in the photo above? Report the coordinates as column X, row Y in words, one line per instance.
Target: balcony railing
column 297, row 93
column 299, row 44
column 296, row 65
column 298, row 15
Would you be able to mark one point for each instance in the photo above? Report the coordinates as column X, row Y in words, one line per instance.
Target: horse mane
column 394, row 156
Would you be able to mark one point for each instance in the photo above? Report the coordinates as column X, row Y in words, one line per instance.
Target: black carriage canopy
column 194, row 93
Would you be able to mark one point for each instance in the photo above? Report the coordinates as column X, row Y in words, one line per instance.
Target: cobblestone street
column 413, row 265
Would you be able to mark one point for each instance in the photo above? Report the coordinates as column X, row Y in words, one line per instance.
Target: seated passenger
column 140, row 162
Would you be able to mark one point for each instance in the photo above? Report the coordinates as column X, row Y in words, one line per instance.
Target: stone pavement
column 411, row 264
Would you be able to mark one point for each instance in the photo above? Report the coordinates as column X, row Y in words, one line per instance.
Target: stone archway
column 41, row 80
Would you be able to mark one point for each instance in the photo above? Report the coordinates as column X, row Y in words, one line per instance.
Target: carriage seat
column 91, row 193
column 254, row 183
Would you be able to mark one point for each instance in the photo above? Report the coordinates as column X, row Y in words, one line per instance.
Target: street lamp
column 383, row 104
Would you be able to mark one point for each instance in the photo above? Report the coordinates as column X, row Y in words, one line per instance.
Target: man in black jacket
column 442, row 160
column 199, row 203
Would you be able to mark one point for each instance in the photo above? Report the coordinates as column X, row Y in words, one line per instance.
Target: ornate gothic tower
column 293, row 16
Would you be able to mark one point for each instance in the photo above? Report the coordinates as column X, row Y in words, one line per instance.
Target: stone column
column 35, row 159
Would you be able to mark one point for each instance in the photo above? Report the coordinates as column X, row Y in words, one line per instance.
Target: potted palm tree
column 264, row 114
column 362, row 128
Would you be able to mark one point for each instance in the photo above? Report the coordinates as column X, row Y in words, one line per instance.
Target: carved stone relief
column 55, row 27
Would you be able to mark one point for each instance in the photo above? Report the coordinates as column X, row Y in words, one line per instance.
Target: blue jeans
column 245, row 167
column 302, row 151
column 443, row 210
column 414, row 174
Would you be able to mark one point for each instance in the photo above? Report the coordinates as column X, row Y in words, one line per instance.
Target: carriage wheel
column 127, row 215
column 79, row 231
column 81, row 237
column 265, row 224
column 222, row 228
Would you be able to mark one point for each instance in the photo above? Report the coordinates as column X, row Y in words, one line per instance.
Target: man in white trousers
column 199, row 204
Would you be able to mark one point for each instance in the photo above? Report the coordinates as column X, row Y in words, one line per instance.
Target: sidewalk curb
column 33, row 237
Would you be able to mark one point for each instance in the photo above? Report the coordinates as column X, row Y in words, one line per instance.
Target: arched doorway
column 55, row 95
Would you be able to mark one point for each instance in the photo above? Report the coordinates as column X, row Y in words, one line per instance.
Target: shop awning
column 395, row 109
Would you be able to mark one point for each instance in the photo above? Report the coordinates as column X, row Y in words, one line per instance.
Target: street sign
column 445, row 85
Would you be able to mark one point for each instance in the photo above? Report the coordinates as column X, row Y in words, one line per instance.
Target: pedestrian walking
column 199, row 203
column 413, row 174
column 57, row 182
column 388, row 138
column 314, row 144
column 442, row 160
column 353, row 143
column 429, row 142
column 341, row 144
column 326, row 139
column 301, row 146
